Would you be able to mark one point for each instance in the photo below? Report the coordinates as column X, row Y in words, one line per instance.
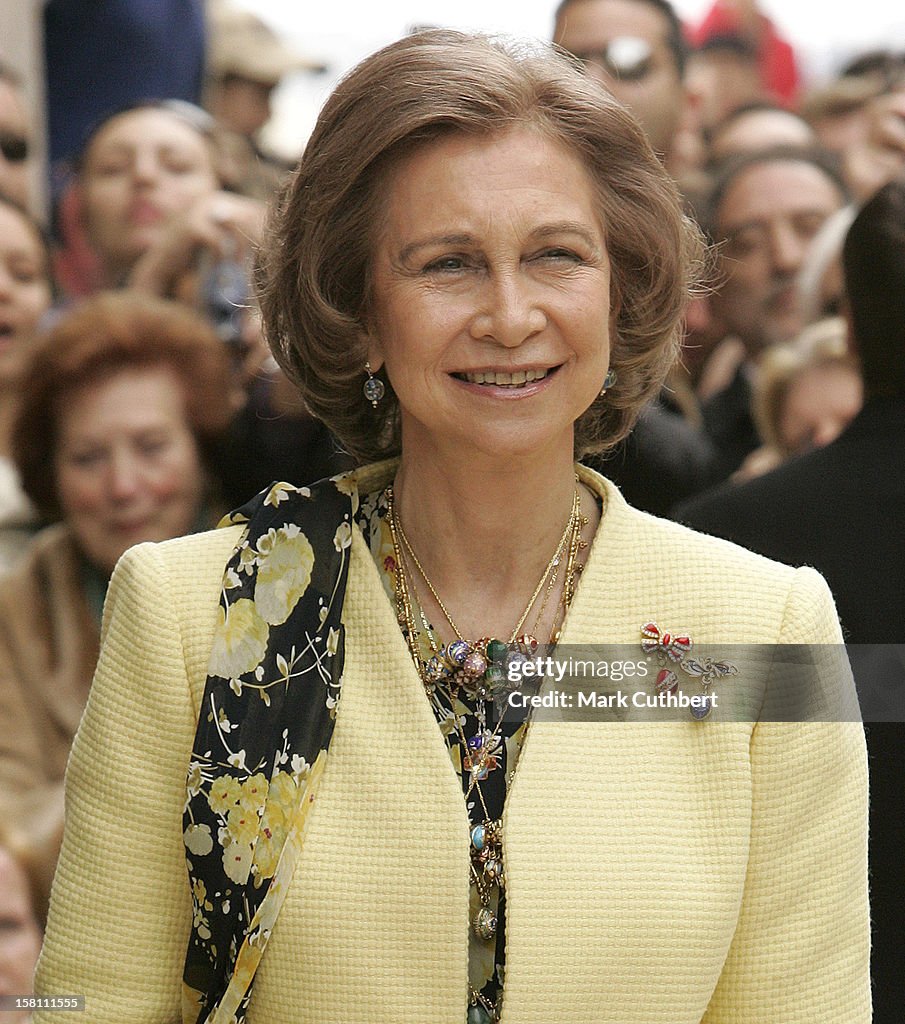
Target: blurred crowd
column 138, row 400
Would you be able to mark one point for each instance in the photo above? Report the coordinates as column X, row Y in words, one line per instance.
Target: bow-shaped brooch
column 675, row 649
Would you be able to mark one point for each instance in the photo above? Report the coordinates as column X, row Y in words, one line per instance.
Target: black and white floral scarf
column 265, row 725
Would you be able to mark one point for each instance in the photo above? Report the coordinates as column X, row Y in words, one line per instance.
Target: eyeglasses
column 626, row 58
column 13, row 147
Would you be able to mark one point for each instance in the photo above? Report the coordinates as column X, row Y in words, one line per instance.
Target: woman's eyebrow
column 434, row 240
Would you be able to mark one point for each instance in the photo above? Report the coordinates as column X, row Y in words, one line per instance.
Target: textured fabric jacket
column 656, row 873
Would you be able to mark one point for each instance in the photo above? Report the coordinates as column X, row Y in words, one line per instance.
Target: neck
column 484, row 530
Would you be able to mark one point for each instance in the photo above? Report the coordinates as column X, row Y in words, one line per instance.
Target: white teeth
column 513, row 380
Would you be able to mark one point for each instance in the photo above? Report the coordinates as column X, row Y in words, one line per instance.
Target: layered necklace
column 467, row 683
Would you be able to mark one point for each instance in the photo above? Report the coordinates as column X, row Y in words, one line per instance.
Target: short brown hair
column 314, row 273
column 99, row 338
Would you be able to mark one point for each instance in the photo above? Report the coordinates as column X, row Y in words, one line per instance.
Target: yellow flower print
column 242, row 826
column 224, row 794
column 198, row 839
column 194, row 778
column 237, row 862
column 284, row 573
column 284, row 793
column 240, row 640
column 346, row 483
column 199, row 891
column 269, row 845
column 254, row 792
column 278, row 493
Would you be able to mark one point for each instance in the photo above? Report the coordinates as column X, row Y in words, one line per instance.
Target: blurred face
column 769, row 216
column 491, row 295
column 20, row 936
column 623, row 44
column 14, row 139
column 24, row 290
column 242, row 105
column 761, row 129
column 143, row 169
column 819, row 405
column 127, row 464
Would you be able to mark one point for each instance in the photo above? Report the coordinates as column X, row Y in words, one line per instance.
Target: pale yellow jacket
column 656, row 873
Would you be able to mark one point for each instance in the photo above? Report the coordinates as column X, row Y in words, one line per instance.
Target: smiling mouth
column 500, row 379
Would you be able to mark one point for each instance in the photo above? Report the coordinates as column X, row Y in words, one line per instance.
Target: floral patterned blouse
column 458, row 723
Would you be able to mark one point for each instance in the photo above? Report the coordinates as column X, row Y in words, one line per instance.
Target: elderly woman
column 478, row 271
column 118, row 406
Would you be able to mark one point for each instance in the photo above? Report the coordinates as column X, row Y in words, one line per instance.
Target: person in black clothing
column 841, row 509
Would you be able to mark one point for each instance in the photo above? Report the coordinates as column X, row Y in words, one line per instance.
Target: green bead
column 477, row 1015
column 495, row 676
column 496, row 651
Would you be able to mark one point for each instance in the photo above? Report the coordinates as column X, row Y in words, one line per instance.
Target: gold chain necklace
column 575, row 520
column 478, row 667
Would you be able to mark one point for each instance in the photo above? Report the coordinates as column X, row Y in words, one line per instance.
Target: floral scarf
column 270, row 700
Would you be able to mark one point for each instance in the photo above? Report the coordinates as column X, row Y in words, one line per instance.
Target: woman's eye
column 85, row 460
column 558, row 254
column 175, row 166
column 110, row 168
column 153, row 447
column 446, row 263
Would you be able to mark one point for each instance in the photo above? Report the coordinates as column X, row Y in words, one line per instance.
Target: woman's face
column 24, row 290
column 20, row 936
column 127, row 463
column 142, row 169
column 491, row 295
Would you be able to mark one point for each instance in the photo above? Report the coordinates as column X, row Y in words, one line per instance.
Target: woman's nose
column 123, row 478
column 145, row 167
column 509, row 314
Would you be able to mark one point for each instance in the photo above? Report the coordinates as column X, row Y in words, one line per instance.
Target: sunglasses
column 13, row 147
column 626, row 58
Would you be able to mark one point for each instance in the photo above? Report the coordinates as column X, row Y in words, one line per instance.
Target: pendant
column 485, row 924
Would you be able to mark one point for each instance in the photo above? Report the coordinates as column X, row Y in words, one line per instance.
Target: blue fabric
column 105, row 54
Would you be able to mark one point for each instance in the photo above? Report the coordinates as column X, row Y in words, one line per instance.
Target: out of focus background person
column 247, row 60
column 119, row 408
column 101, row 57
column 20, row 926
column 746, row 21
column 754, row 126
column 841, row 509
column 637, row 49
column 15, row 137
column 150, row 201
column 764, row 210
column 806, row 393
column 25, row 295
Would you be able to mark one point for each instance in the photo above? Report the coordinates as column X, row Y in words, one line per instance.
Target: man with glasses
column 14, row 137
column 637, row 50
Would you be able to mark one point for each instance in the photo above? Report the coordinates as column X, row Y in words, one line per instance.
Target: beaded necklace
column 462, row 671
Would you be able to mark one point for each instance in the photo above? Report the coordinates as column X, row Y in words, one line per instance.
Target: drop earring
column 373, row 387
column 608, row 381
